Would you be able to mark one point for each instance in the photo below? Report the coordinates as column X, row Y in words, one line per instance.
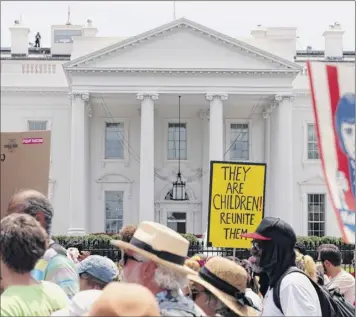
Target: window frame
column 325, row 211
column 125, row 121
column 27, row 121
column 123, row 205
column 228, row 123
column 307, row 160
column 178, row 221
column 36, row 121
column 185, row 121
column 49, row 127
column 186, row 141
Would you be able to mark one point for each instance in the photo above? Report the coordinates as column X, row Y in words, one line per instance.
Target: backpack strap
column 277, row 287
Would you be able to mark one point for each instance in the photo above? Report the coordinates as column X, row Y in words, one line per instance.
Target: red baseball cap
column 268, row 228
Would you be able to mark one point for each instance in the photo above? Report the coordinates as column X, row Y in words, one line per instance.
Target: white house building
column 115, row 139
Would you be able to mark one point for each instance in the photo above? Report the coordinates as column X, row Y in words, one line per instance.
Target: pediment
column 315, row 180
column 113, row 178
column 182, row 44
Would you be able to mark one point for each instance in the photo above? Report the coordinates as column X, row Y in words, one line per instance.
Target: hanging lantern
column 178, row 192
column 178, row 189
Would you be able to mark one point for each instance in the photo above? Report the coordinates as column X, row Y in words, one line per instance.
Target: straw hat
column 124, row 299
column 227, row 281
column 160, row 244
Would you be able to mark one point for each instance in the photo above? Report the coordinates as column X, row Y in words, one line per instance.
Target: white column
column 79, row 164
column 282, row 159
column 147, row 209
column 266, row 114
column 216, row 126
column 204, row 116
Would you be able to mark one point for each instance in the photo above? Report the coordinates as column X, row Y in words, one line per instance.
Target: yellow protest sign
column 236, row 202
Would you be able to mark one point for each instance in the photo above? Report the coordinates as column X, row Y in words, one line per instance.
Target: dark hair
column 300, row 248
column 330, row 253
column 33, row 203
column 92, row 281
column 23, row 242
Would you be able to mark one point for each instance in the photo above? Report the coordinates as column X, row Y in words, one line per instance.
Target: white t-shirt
column 256, row 300
column 298, row 298
column 346, row 283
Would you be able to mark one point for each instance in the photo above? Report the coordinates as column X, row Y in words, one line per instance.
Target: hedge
column 68, row 241
column 104, row 238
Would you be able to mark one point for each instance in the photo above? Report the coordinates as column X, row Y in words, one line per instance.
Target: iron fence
column 104, row 248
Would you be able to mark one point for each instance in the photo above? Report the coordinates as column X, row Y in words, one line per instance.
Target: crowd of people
column 155, row 277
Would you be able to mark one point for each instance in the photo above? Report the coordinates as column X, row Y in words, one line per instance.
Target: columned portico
column 79, row 163
column 146, row 209
column 216, row 126
column 282, row 158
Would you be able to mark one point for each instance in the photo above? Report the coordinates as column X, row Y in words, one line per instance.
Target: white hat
column 80, row 303
column 160, row 244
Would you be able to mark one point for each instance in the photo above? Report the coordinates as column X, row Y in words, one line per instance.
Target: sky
column 234, row 18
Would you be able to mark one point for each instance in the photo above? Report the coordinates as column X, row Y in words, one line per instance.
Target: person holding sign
column 273, row 249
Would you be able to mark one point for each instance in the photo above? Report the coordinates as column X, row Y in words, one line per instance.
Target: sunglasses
column 128, row 257
column 256, row 245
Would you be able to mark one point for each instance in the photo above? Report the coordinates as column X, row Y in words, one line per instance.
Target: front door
column 177, row 221
column 179, row 216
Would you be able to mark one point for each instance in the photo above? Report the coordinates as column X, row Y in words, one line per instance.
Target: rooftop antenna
column 68, row 20
column 174, row 10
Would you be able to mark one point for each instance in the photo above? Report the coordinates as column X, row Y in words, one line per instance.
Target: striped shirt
column 58, row 269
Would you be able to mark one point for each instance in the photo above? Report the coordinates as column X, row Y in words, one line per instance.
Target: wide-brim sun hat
column 159, row 244
column 227, row 281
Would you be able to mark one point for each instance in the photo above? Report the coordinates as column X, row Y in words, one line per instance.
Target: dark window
column 177, row 221
column 316, row 215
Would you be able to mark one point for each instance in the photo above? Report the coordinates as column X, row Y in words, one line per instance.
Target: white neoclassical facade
column 114, row 150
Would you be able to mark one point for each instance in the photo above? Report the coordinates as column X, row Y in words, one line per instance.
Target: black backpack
column 332, row 303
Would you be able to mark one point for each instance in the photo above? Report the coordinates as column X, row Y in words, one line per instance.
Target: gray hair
column 166, row 278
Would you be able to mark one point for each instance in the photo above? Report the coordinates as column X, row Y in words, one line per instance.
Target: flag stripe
column 325, row 133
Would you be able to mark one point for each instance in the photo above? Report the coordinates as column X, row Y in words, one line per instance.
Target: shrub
column 190, row 237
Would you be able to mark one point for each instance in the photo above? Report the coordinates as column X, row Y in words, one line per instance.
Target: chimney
column 280, row 41
column 259, row 32
column 333, row 41
column 19, row 39
column 89, row 30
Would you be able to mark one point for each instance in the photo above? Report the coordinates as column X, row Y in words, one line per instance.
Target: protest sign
column 236, row 202
column 333, row 96
column 25, row 161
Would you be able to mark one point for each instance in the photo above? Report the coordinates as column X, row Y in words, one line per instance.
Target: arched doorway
column 181, row 216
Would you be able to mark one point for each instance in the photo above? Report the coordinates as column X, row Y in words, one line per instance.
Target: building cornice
column 190, row 71
column 185, row 23
column 36, row 90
